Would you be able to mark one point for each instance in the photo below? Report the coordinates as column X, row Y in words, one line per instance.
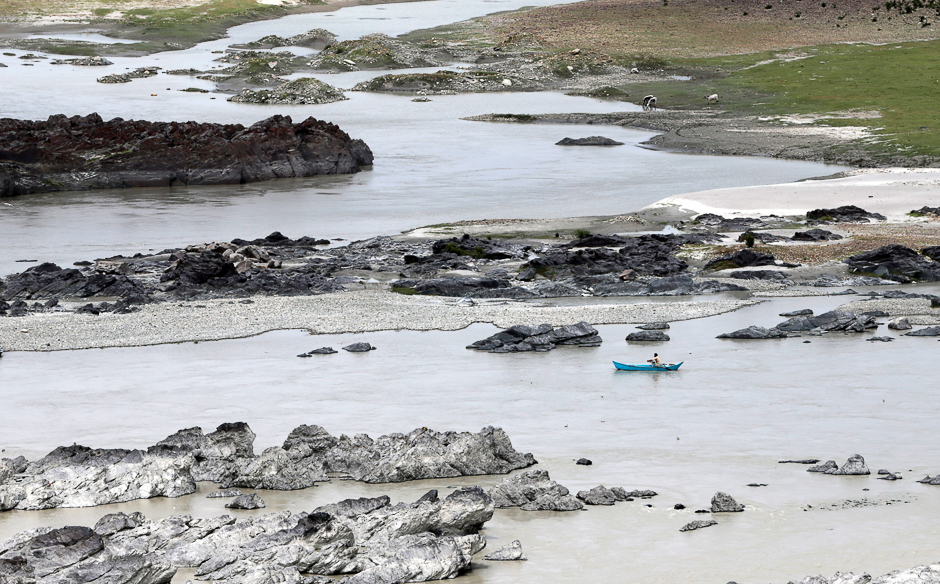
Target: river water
column 719, row 423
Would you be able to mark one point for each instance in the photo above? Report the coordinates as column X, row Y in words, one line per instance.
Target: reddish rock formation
column 80, row 153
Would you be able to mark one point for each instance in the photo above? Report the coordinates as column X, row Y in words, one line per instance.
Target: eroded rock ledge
column 86, row 152
column 78, row 476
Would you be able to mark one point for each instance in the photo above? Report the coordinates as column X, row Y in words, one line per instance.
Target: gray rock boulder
column 725, row 503
column 249, row 501
column 699, row 524
column 508, row 553
column 930, row 480
column 78, row 476
column 544, row 337
column 931, row 331
column 599, row 495
column 902, row 323
column 854, row 466
column 359, row 348
column 801, row 312
column 754, row 332
column 214, row 454
column 533, row 490
column 589, row 141
column 647, row 336
column 834, row 320
column 654, row 326
column 310, row 454
column 827, row 467
column 224, row 494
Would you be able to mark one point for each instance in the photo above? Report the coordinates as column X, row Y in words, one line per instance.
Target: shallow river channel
column 719, row 423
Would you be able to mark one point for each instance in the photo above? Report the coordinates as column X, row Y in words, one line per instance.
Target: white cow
column 649, row 103
column 712, row 98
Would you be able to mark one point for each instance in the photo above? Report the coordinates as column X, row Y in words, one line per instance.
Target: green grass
column 477, row 252
column 404, row 290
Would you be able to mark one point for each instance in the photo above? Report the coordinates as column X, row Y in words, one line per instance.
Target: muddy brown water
column 719, row 423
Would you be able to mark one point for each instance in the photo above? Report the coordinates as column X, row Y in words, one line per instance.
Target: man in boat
column 656, row 361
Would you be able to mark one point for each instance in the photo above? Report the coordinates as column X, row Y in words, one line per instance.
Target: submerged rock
column 725, row 503
column 648, row 336
column 509, row 552
column 698, row 524
column 589, row 141
column 301, row 91
column 359, row 348
column 654, row 326
column 928, row 480
column 250, row 501
column 854, row 466
column 931, row 331
column 544, row 337
column 834, row 320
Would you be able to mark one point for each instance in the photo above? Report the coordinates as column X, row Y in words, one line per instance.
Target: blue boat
column 665, row 367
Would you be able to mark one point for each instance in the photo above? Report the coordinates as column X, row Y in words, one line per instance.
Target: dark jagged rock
column 698, row 524
column 589, row 141
column 583, row 462
column 826, row 467
column 930, row 331
column 741, row 259
column 677, row 285
column 195, row 269
column 250, row 501
column 224, row 494
column 843, row 214
column 310, row 454
column 772, row 275
column 48, row 280
column 56, row 155
column 881, row 339
column 834, row 320
column 896, row 262
column 278, row 239
column 719, row 223
column 654, row 326
column 646, row 255
column 928, row 480
column 544, row 337
column 322, row 351
column 725, row 503
column 755, row 332
column 214, row 454
column 512, row 551
column 932, row 252
column 650, row 336
column 815, row 235
column 533, row 490
column 761, row 236
column 601, row 495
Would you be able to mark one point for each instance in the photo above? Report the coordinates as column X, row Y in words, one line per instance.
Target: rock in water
column 930, row 480
column 854, row 466
column 584, row 462
column 826, row 467
column 754, row 332
column 647, row 336
column 250, row 501
column 359, row 348
column 544, row 337
column 509, row 552
column 654, row 326
column 533, row 490
column 225, row 493
column 900, row 324
column 699, row 524
column 930, row 331
column 81, row 153
column 724, row 503
column 299, row 91
column 589, row 141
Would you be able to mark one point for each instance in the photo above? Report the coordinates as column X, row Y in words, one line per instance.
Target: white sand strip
column 893, row 192
column 346, row 312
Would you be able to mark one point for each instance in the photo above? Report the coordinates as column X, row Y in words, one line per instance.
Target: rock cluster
column 139, row 73
column 589, row 141
column 854, row 466
column 601, row 495
column 920, row 575
column 541, row 338
column 741, row 259
column 815, row 235
column 87, row 152
column 896, row 262
column 77, row 476
column 533, row 490
column 375, row 541
column 834, row 320
column 301, row 91
column 843, row 214
column 374, row 51
column 754, row 332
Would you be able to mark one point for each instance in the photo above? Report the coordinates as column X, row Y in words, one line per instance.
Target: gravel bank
column 347, row 312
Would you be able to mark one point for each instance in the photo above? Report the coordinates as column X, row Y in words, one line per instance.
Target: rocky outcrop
column 447, row 82
column 654, row 326
column 78, row 476
column 902, row 323
column 589, row 141
column 834, row 320
column 303, row 91
column 676, row 285
column 601, row 495
column 465, row 288
column 512, row 551
column 81, row 153
column 725, row 503
column 249, row 501
column 919, row 575
column 214, row 454
column 48, row 280
column 855, row 465
column 815, row 235
column 533, row 490
column 373, row 51
column 843, row 214
column 928, row 480
column 896, row 262
column 476, row 248
column 720, row 223
column 646, row 255
column 310, row 455
column 544, row 337
column 427, row 540
column 754, row 332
